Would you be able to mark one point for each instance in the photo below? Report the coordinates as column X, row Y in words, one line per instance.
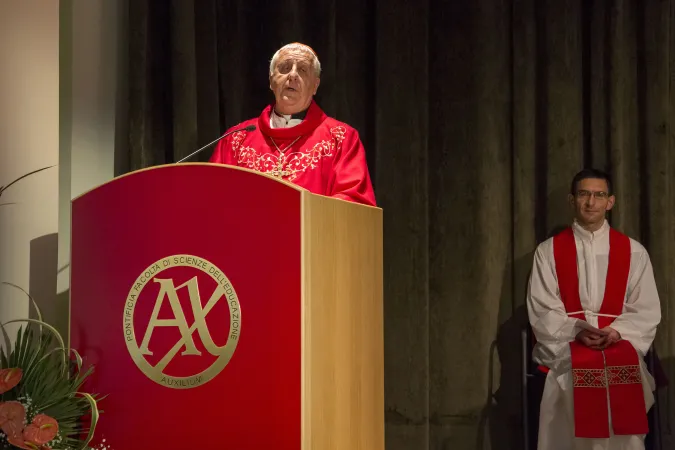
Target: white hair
column 297, row 46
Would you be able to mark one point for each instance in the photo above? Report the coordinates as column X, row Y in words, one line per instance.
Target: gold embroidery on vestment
column 288, row 166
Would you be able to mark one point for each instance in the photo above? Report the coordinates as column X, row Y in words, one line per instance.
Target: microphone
column 248, row 128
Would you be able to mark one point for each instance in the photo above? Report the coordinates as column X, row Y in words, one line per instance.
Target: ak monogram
column 169, row 289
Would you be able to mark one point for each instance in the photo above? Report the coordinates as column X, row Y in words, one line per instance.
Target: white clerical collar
column 285, row 120
column 583, row 233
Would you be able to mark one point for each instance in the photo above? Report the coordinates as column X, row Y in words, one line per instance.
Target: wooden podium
column 225, row 309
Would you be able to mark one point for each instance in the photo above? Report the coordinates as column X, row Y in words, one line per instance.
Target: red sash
column 614, row 371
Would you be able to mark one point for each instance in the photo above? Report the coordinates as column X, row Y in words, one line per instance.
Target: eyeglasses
column 586, row 194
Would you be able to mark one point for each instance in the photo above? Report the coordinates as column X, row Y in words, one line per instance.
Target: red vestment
column 320, row 154
column 614, row 371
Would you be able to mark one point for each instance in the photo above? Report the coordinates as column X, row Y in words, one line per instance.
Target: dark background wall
column 475, row 115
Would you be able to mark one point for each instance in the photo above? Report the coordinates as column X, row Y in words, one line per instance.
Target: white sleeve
column 552, row 328
column 642, row 309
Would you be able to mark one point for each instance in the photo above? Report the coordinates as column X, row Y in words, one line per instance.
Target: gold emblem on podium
column 168, row 303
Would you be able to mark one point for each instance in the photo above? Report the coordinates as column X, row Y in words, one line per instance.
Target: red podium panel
column 186, row 296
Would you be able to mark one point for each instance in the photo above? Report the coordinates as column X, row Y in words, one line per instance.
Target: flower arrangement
column 41, row 406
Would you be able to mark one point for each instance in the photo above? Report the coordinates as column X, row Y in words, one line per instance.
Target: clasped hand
column 598, row 341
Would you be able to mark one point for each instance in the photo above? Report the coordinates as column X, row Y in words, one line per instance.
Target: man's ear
column 570, row 199
column 316, row 88
column 610, row 203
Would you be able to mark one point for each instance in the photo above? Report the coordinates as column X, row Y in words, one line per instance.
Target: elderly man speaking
column 295, row 140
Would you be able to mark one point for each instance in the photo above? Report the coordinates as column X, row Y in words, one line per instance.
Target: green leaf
column 32, row 300
column 51, row 329
column 4, row 188
column 94, row 419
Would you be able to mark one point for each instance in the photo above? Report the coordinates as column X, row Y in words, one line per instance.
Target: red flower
column 9, row 378
column 12, row 418
column 42, row 430
column 21, row 443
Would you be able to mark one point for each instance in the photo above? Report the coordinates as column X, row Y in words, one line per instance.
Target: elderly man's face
column 293, row 81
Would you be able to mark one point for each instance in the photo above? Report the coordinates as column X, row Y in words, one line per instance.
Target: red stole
column 614, row 371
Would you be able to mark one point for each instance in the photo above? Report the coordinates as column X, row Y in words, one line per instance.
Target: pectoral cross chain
column 279, row 171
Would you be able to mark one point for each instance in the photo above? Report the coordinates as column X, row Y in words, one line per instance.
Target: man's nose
column 591, row 200
column 294, row 72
